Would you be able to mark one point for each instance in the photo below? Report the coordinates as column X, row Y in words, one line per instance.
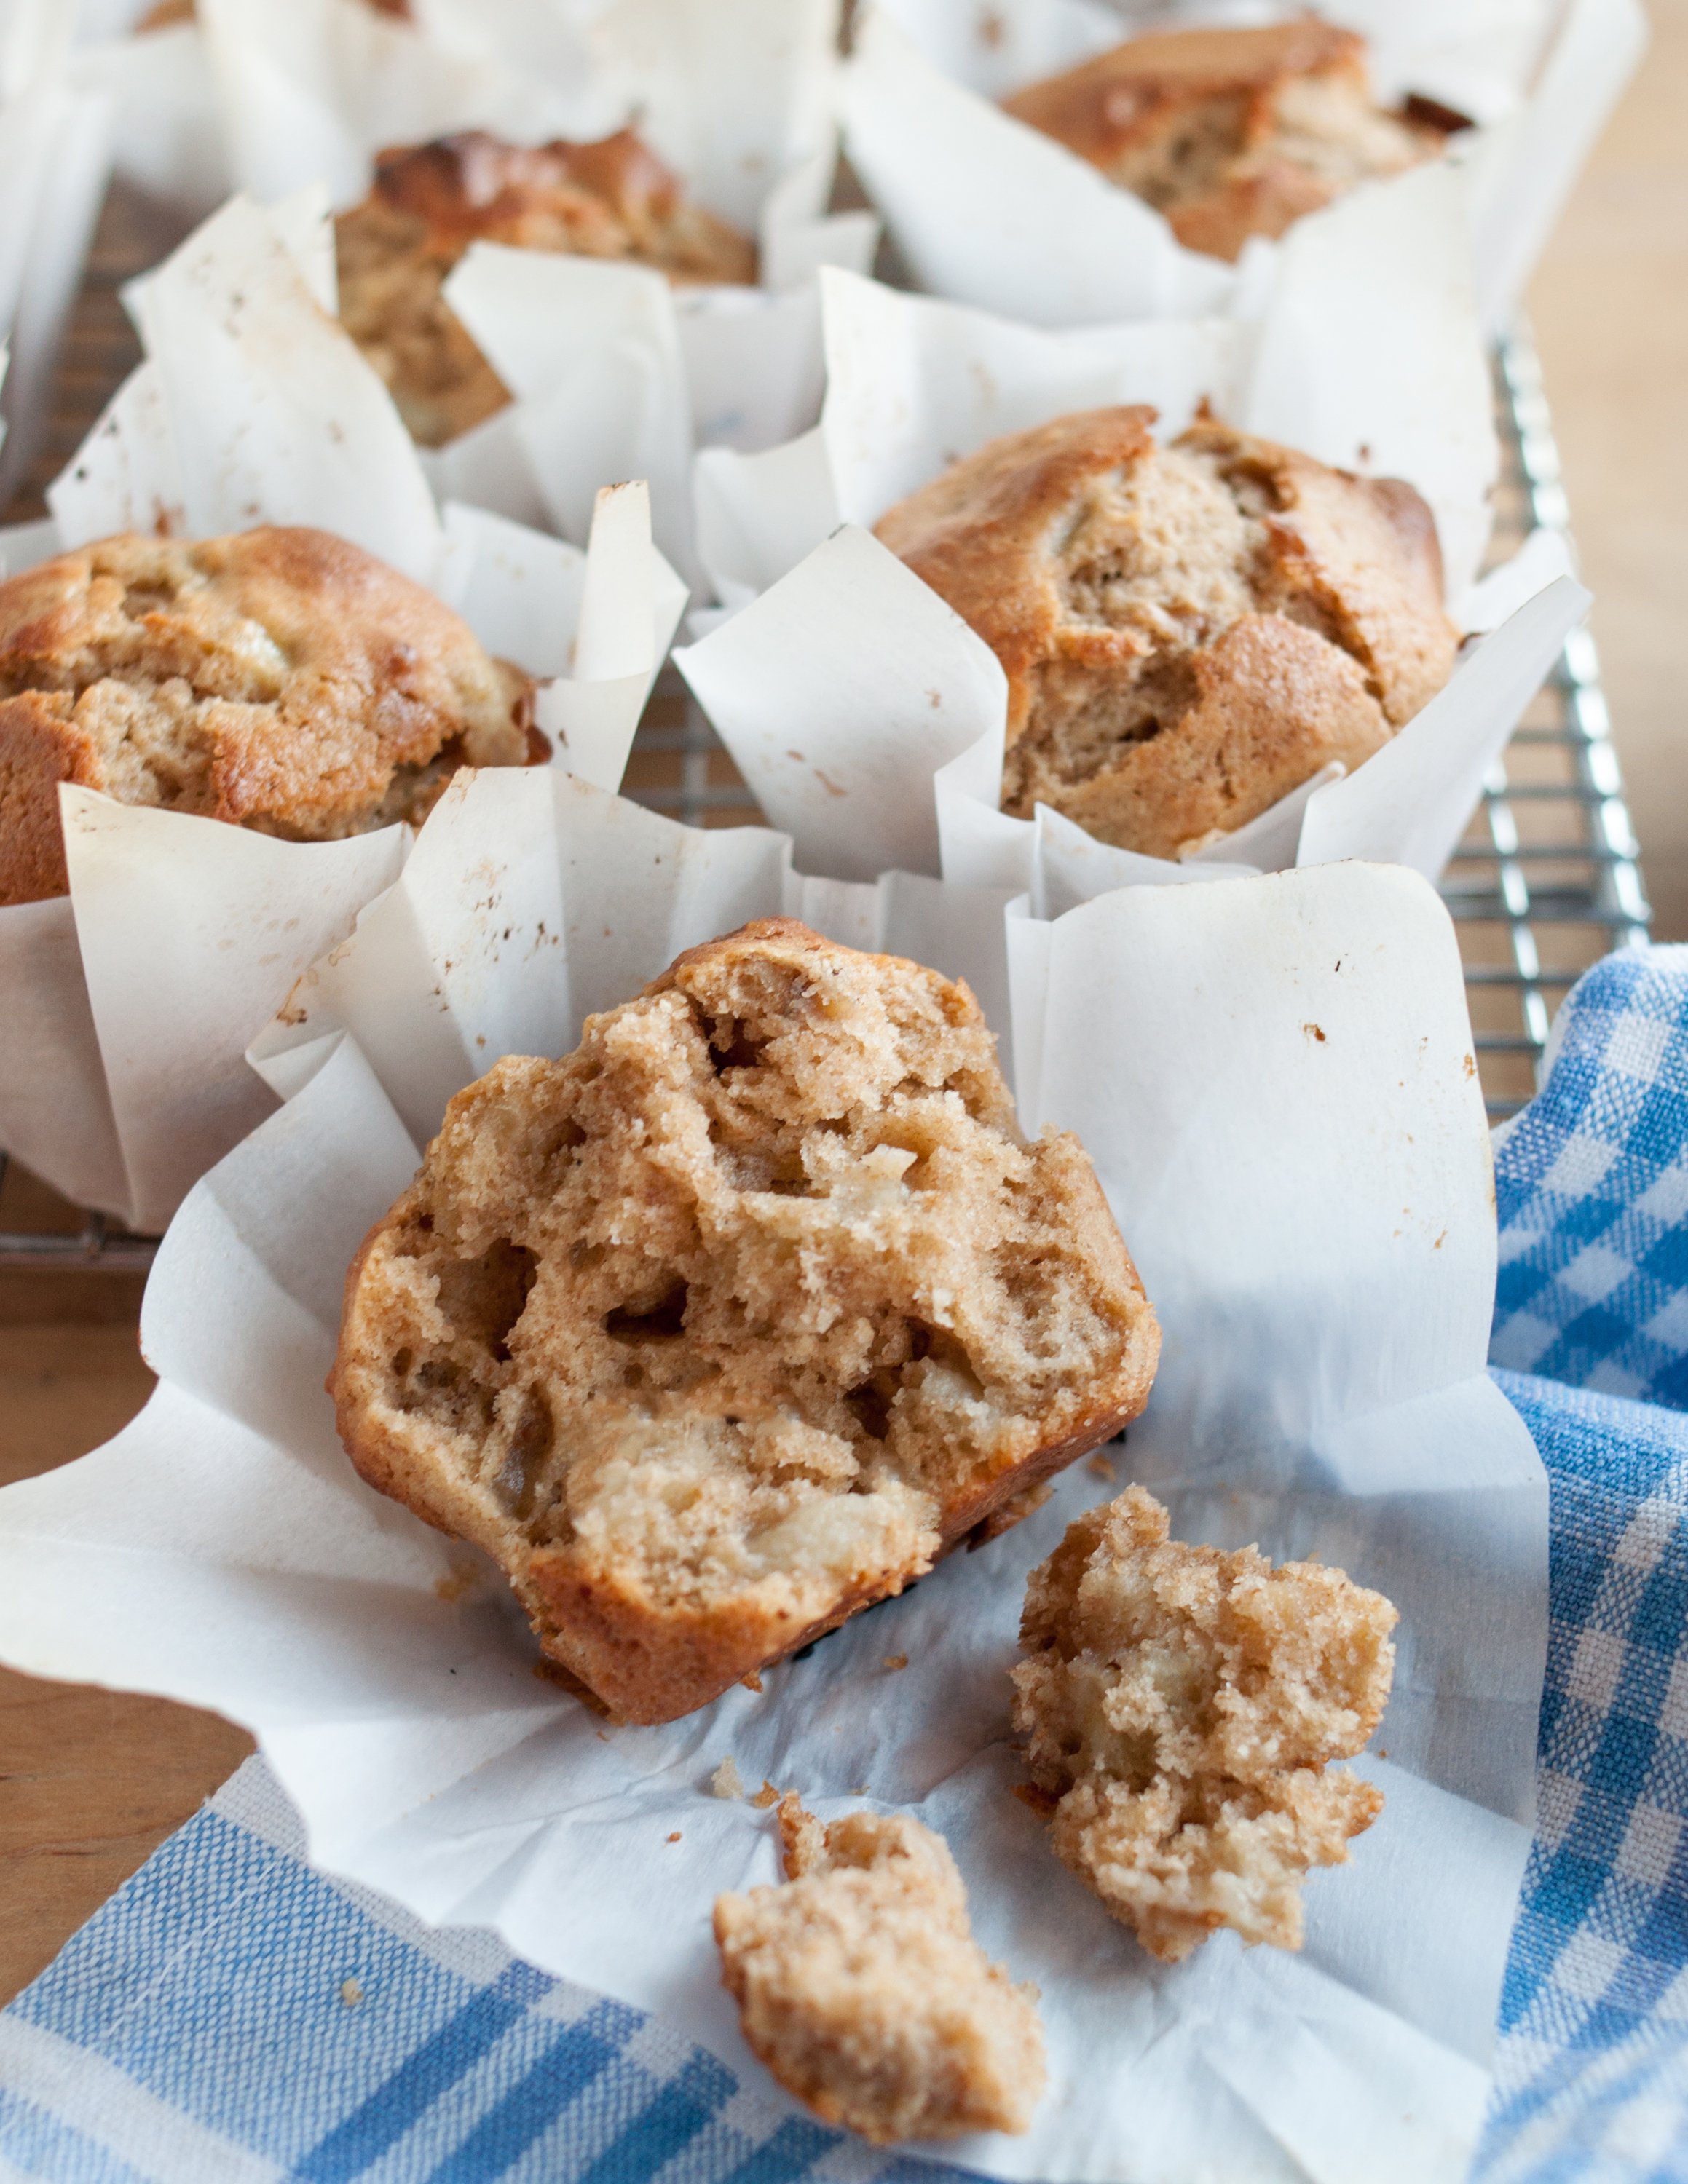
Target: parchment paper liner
column 1312, row 1216
column 989, row 212
column 615, row 374
column 128, row 1002
column 848, row 683
column 55, row 155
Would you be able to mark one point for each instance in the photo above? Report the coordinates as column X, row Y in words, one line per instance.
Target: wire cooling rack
column 1546, row 881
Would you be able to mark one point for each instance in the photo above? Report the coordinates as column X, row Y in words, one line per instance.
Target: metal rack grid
column 1545, row 881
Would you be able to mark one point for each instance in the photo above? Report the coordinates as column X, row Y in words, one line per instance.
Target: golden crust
column 1187, row 632
column 1230, row 133
column 664, row 1328
column 860, row 1987
column 610, row 199
column 281, row 679
column 1182, row 1706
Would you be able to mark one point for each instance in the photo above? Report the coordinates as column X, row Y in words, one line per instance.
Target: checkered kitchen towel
column 230, row 2015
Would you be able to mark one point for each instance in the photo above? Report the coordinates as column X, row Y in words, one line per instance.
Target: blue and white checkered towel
column 231, row 2016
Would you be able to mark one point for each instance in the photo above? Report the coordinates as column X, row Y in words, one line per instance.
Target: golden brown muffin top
column 1230, row 133
column 280, row 678
column 1130, row 588
column 614, row 199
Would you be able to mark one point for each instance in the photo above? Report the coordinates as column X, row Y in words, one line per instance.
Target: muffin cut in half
column 1232, row 133
column 1182, row 1705
column 860, row 1985
column 728, row 1323
column 429, row 202
column 1189, row 632
column 281, row 679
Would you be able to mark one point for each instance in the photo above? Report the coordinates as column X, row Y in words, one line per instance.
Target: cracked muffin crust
column 1231, row 133
column 1182, row 1707
column 281, row 679
column 860, row 1985
column 729, row 1322
column 612, row 199
column 1189, row 632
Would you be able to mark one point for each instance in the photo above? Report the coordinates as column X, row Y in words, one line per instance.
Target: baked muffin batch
column 741, row 1317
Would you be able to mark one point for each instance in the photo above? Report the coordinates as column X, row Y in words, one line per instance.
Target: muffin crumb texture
column 1230, row 132
column 1189, row 631
column 728, row 1324
column 1182, row 1705
column 861, row 1987
column 281, row 678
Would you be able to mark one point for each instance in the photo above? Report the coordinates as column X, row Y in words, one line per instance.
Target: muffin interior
column 744, row 1309
column 1182, row 1705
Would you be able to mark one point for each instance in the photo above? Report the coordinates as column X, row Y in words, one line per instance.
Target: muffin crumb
column 860, row 1985
column 1182, row 1705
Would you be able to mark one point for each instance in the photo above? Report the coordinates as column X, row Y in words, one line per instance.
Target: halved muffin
column 732, row 1321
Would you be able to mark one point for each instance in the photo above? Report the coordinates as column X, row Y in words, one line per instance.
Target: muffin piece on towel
column 279, row 678
column 729, row 1322
column 1183, row 1705
column 430, row 202
column 860, row 1985
column 1189, row 632
column 1231, row 133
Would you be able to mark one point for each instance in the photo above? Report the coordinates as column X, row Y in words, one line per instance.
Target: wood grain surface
column 91, row 1781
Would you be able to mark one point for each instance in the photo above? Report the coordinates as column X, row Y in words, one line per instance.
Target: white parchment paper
column 843, row 684
column 850, row 684
column 55, row 156
column 615, row 373
column 1312, row 1214
column 181, row 936
column 165, row 137
column 1370, row 361
column 989, row 211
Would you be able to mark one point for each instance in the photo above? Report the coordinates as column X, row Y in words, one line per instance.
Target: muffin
column 1182, row 1707
column 280, row 679
column 1189, row 632
column 860, row 1985
column 1232, row 133
column 731, row 1322
column 612, row 199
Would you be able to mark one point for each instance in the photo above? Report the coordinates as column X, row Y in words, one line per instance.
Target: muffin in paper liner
column 737, row 99
column 1311, row 1216
column 132, row 997
column 1371, row 364
column 987, row 211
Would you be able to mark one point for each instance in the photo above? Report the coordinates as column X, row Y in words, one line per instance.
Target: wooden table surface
column 91, row 1781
